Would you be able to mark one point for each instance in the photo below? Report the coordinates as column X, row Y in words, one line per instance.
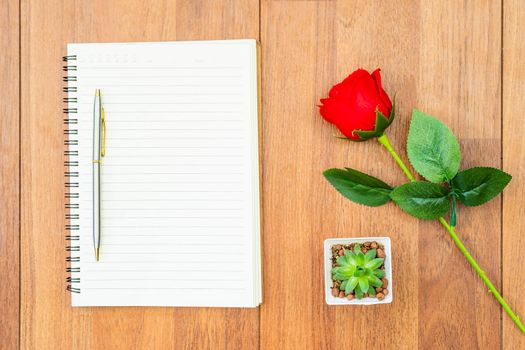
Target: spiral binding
column 71, row 175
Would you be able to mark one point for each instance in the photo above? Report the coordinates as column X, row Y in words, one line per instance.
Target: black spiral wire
column 71, row 174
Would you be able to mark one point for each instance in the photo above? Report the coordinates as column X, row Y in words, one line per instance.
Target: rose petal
column 336, row 91
column 366, row 100
column 329, row 110
column 350, row 117
column 356, row 75
column 344, row 89
column 386, row 106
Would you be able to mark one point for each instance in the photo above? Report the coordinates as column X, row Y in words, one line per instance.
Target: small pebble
column 367, row 244
column 341, row 294
column 335, row 292
column 341, row 252
column 385, row 282
column 380, row 253
column 373, row 245
column 350, row 296
column 364, row 250
column 365, row 295
column 385, row 291
column 380, row 296
column 379, row 289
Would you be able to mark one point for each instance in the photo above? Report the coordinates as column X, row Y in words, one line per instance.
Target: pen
column 99, row 151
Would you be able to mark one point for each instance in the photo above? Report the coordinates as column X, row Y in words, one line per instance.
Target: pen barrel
column 72, row 194
column 97, row 159
column 96, row 207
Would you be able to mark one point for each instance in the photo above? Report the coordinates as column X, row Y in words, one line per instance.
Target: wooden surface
column 9, row 174
column 514, row 162
column 460, row 61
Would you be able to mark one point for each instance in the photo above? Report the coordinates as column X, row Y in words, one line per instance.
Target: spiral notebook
column 180, row 212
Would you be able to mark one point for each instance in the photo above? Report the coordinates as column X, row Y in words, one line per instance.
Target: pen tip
column 97, row 92
column 97, row 253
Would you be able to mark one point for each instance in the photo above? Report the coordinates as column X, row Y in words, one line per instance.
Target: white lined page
column 180, row 180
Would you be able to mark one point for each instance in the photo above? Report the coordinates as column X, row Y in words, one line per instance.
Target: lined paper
column 180, row 180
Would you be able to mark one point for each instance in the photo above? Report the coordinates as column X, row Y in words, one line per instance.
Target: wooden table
column 461, row 61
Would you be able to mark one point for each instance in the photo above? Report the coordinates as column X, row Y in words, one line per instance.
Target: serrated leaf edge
column 408, row 137
column 416, row 216
column 485, row 167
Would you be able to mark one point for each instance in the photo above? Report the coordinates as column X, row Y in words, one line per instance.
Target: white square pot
column 330, row 299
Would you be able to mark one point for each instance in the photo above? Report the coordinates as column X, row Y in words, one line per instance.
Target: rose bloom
column 352, row 104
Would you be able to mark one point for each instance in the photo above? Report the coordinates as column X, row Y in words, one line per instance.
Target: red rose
column 353, row 103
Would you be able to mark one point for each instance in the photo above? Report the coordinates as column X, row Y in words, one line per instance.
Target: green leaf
column 357, row 250
column 363, row 283
column 358, row 293
column 359, row 187
column 341, row 260
column 375, row 281
column 432, row 148
column 424, row 200
column 343, row 275
column 371, row 254
column 374, row 264
column 476, row 186
column 350, row 257
column 372, row 291
column 359, row 273
column 345, row 272
column 343, row 285
column 350, row 286
column 360, row 259
column 380, row 273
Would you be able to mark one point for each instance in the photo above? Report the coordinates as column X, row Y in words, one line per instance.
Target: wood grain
column 459, row 82
column 442, row 57
column 324, row 41
column 514, row 163
column 47, row 319
column 9, row 174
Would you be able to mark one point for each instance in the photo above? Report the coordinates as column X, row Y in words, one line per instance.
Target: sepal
column 382, row 123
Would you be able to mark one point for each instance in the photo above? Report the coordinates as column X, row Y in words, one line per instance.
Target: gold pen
column 99, row 151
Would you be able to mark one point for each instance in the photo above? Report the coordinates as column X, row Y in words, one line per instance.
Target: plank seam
column 19, row 173
column 261, row 248
column 501, row 166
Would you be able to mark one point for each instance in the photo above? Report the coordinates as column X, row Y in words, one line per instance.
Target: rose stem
column 386, row 142
column 383, row 139
column 481, row 274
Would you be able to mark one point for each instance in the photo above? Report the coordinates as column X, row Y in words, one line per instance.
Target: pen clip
column 103, row 119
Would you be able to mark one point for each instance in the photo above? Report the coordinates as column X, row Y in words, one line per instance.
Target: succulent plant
column 360, row 273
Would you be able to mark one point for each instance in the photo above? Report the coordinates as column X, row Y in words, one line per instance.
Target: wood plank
column 514, row 163
column 442, row 58
column 9, row 175
column 322, row 43
column 48, row 321
column 459, row 82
